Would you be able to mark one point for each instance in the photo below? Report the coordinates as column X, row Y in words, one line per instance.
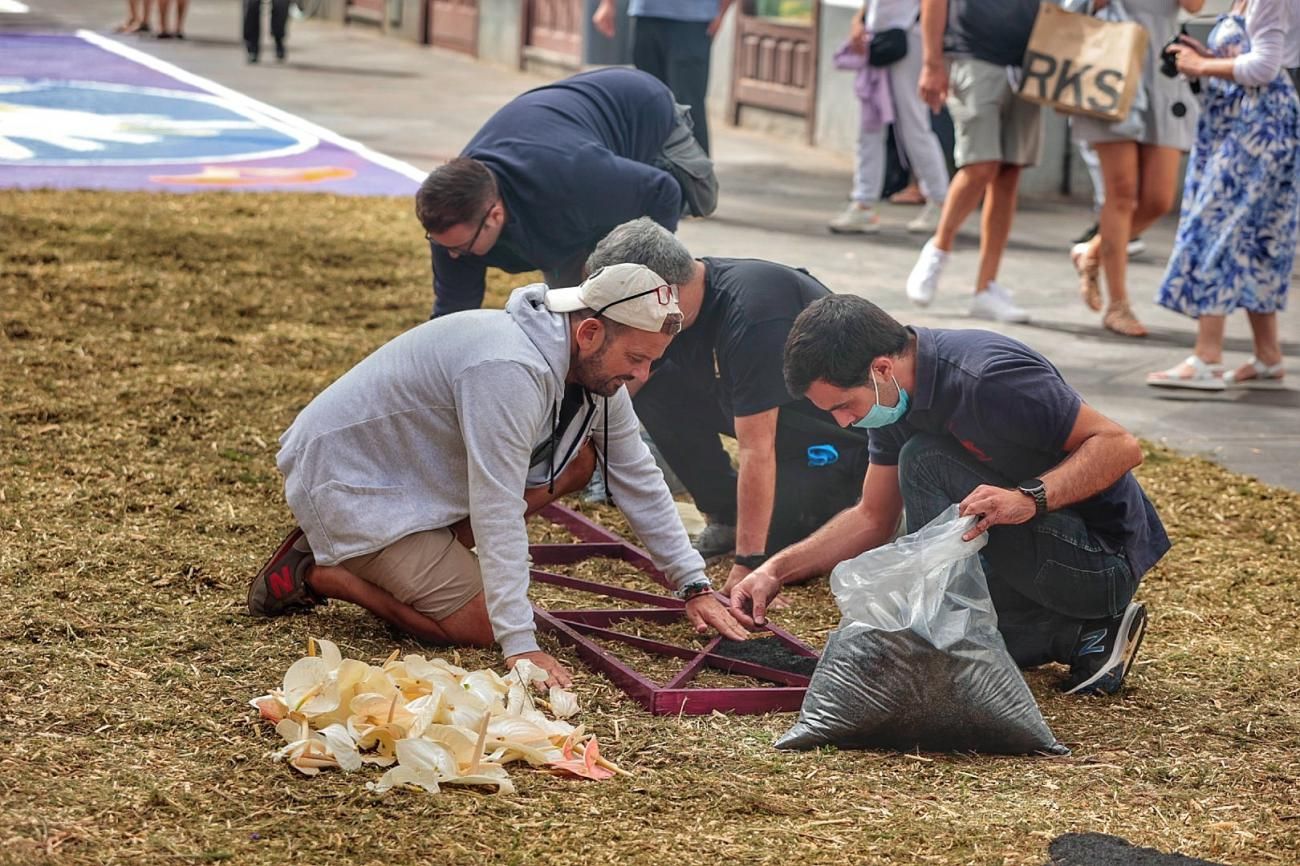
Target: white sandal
column 1266, row 376
column 1205, row 377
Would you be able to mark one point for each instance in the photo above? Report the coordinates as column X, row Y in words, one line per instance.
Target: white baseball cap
column 629, row 294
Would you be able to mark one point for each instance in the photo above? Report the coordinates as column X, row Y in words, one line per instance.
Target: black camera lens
column 1178, row 109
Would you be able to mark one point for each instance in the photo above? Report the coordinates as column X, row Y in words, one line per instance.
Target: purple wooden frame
column 577, row 628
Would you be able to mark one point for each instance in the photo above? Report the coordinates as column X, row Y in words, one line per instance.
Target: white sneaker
column 927, row 220
column 923, row 282
column 856, row 220
column 995, row 303
column 1136, row 247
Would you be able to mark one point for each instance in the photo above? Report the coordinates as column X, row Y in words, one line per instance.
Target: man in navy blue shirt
column 554, row 170
column 722, row 376
column 980, row 419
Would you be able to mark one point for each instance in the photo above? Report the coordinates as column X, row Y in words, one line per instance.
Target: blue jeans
column 1047, row 577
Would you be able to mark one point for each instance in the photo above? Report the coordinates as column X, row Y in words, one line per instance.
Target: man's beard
column 589, row 375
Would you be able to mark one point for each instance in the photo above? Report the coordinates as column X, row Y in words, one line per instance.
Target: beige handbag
column 1079, row 64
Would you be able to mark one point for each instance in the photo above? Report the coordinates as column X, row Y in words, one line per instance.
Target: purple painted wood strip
column 637, row 687
column 570, row 629
column 700, row 702
column 589, row 531
column 567, row 554
column 649, row 645
column 609, row 616
column 605, row 589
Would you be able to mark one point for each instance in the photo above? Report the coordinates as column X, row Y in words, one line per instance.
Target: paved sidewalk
column 421, row 104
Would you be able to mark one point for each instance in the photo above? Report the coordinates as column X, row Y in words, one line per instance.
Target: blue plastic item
column 822, row 455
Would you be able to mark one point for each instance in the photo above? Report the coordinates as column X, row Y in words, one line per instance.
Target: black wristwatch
column 1034, row 489
column 750, row 560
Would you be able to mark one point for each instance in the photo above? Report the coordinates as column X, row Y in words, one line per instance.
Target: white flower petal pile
column 429, row 722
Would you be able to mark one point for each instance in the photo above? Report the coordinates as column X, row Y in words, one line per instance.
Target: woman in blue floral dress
column 1236, row 240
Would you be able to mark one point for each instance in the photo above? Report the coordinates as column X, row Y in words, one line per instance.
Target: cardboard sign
column 1078, row 64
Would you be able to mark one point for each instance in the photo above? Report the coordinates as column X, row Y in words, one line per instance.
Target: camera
column 1169, row 64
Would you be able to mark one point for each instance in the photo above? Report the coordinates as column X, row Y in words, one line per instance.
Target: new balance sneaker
column 1105, row 653
column 716, row 539
column 995, row 303
column 927, row 220
column 923, row 282
column 856, row 219
column 281, row 586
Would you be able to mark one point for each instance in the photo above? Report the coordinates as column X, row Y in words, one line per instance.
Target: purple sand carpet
column 76, row 115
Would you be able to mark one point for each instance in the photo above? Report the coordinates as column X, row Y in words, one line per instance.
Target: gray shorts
column 992, row 123
column 430, row 571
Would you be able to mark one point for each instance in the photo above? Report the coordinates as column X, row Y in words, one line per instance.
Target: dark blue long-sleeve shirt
column 572, row 160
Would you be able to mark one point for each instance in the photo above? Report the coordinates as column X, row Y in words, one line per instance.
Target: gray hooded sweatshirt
column 441, row 423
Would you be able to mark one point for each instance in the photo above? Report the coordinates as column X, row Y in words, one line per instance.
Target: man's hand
column 858, row 36
column 603, row 18
column 739, row 573
column 706, row 612
column 933, row 86
column 751, row 597
column 735, row 576
column 558, row 674
column 996, row 506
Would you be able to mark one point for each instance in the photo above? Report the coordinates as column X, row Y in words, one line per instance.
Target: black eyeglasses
column 664, row 295
column 466, row 249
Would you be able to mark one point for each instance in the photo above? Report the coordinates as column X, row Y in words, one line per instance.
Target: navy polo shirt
column 1010, row 409
column 572, row 160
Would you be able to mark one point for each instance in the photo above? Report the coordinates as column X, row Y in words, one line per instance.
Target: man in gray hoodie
column 452, row 433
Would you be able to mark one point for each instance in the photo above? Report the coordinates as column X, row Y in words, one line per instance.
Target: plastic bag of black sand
column 917, row 662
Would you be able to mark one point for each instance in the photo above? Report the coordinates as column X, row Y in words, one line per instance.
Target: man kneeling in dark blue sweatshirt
column 551, row 173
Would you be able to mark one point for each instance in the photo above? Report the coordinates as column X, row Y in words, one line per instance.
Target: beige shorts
column 991, row 123
column 431, row 571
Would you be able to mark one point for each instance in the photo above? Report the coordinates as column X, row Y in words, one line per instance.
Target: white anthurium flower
column 463, row 708
column 462, row 741
column 329, row 652
column 529, row 672
column 441, row 723
column 518, row 699
column 489, row 687
column 517, row 729
column 310, row 751
column 423, row 711
column 309, row 688
column 376, row 682
column 342, row 747
column 427, row 764
column 316, row 685
column 555, row 728
column 564, row 704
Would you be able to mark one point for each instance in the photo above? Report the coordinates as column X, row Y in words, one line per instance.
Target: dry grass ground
column 153, row 349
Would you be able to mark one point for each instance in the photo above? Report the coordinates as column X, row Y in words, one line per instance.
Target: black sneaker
column 716, row 539
column 1088, row 234
column 1105, row 653
column 281, row 586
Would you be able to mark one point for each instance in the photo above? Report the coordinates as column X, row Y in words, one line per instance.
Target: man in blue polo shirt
column 980, row 419
column 551, row 173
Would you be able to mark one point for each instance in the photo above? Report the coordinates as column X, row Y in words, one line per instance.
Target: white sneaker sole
column 1132, row 628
